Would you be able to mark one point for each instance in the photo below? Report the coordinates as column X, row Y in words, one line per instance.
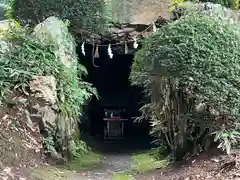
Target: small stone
column 237, row 175
column 208, row 177
column 215, row 160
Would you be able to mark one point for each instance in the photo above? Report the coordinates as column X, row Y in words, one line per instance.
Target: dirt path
column 116, row 157
column 211, row 166
column 110, row 164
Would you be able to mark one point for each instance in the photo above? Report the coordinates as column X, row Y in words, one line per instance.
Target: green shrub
column 85, row 15
column 234, row 4
column 190, row 61
column 28, row 57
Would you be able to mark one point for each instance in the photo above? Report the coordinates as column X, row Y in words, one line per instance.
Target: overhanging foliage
column 85, row 16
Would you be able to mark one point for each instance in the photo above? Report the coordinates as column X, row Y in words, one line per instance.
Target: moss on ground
column 51, row 173
column 121, row 176
column 87, row 161
column 145, row 161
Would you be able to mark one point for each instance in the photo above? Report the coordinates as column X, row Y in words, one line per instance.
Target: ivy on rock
column 28, row 56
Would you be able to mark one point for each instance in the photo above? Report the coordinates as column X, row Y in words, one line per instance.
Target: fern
column 28, row 57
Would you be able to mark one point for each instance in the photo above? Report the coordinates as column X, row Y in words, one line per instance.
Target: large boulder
column 44, row 88
column 42, row 110
column 54, row 30
column 45, row 108
column 211, row 9
column 45, row 117
column 217, row 10
column 43, row 100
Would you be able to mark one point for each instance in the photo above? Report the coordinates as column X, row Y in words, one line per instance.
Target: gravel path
column 116, row 157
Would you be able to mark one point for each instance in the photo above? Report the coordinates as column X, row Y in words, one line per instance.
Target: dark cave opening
column 116, row 94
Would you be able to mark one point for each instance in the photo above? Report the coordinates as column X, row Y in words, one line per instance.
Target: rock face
column 44, row 87
column 55, row 31
column 45, row 117
column 44, row 105
column 42, row 110
column 226, row 15
column 217, row 10
column 43, row 99
column 214, row 10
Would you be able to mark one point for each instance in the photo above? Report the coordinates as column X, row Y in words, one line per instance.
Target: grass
column 145, row 161
column 51, row 173
column 87, row 161
column 121, row 176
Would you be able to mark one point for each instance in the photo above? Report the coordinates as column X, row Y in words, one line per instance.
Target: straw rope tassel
column 96, row 55
column 126, row 48
column 110, row 51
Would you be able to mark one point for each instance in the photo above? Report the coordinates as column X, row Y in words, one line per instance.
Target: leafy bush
column 30, row 57
column 190, row 63
column 85, row 15
column 234, row 4
column 27, row 57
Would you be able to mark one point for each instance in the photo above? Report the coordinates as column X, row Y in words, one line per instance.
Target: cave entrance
column 111, row 118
